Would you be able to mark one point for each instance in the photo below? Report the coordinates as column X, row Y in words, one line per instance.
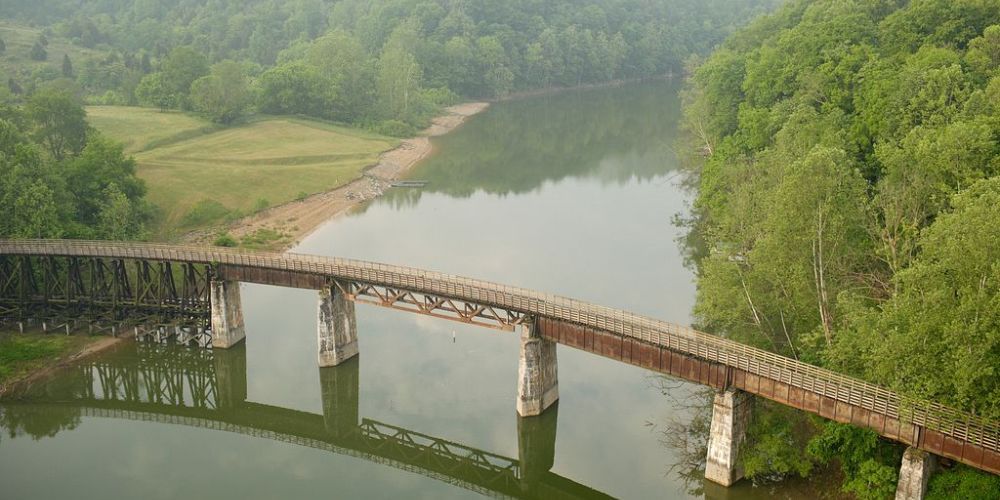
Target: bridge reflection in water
column 203, row 388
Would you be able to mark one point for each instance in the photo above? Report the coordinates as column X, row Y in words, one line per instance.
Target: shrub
column 205, row 212
column 441, row 96
column 396, row 128
column 263, row 238
column 225, row 240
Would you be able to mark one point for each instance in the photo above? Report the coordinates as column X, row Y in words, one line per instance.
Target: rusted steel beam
column 430, row 305
column 703, row 372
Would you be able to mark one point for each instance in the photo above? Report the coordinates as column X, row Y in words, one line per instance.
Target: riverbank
column 28, row 357
column 282, row 227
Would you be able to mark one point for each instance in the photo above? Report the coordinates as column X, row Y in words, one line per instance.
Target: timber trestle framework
column 105, row 293
column 613, row 333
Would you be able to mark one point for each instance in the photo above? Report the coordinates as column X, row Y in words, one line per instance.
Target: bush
column 225, row 240
column 205, row 212
column 264, row 238
column 441, row 96
column 963, row 482
column 301, row 196
column 261, row 204
column 109, row 98
column 395, row 128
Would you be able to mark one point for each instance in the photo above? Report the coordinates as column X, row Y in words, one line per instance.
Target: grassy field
column 144, row 128
column 200, row 176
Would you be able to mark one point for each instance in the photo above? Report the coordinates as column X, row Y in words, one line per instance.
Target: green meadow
column 198, row 174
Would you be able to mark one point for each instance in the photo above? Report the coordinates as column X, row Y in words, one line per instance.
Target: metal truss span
column 613, row 333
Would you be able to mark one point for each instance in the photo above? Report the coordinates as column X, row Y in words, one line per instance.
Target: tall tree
column 344, row 62
column 153, row 91
column 14, row 87
column 180, row 69
column 101, row 164
column 295, row 88
column 67, row 67
column 59, row 121
column 119, row 218
column 398, row 79
column 223, row 95
column 38, row 52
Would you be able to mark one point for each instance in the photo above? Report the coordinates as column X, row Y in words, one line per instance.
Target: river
column 571, row 193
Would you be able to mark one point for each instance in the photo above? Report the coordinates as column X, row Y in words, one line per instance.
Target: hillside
column 140, row 129
column 16, row 61
column 198, row 175
column 847, row 210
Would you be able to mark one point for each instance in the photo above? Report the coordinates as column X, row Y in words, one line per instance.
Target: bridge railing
column 949, row 421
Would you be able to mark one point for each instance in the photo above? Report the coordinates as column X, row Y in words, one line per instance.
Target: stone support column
column 230, row 376
column 538, row 383
column 730, row 417
column 914, row 474
column 227, row 314
column 338, row 329
column 340, row 386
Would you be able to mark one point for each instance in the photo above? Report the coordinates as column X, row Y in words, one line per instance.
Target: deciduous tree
column 223, row 95
column 59, row 121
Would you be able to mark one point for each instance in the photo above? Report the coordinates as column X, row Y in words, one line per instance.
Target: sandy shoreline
column 298, row 219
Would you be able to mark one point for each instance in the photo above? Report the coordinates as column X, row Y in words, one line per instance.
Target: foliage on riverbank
column 848, row 207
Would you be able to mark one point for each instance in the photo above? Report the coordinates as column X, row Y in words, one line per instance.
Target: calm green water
column 572, row 193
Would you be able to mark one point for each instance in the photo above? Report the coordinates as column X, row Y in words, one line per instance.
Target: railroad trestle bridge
column 193, row 292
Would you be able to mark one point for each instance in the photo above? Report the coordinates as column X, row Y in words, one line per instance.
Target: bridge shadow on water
column 204, row 388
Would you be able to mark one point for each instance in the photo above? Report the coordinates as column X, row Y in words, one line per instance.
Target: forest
column 847, row 215
column 387, row 64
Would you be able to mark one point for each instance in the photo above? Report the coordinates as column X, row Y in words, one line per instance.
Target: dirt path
column 298, row 219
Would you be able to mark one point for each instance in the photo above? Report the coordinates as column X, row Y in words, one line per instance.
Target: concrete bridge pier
column 227, row 314
column 537, row 372
column 915, row 474
column 338, row 328
column 730, row 417
column 340, row 388
column 230, row 376
column 536, row 446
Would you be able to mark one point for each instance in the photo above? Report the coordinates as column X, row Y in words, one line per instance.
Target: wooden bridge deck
column 614, row 333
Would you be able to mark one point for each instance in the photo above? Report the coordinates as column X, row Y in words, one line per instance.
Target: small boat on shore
column 408, row 184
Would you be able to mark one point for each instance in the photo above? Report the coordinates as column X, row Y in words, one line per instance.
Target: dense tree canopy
column 64, row 179
column 848, row 196
column 383, row 60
